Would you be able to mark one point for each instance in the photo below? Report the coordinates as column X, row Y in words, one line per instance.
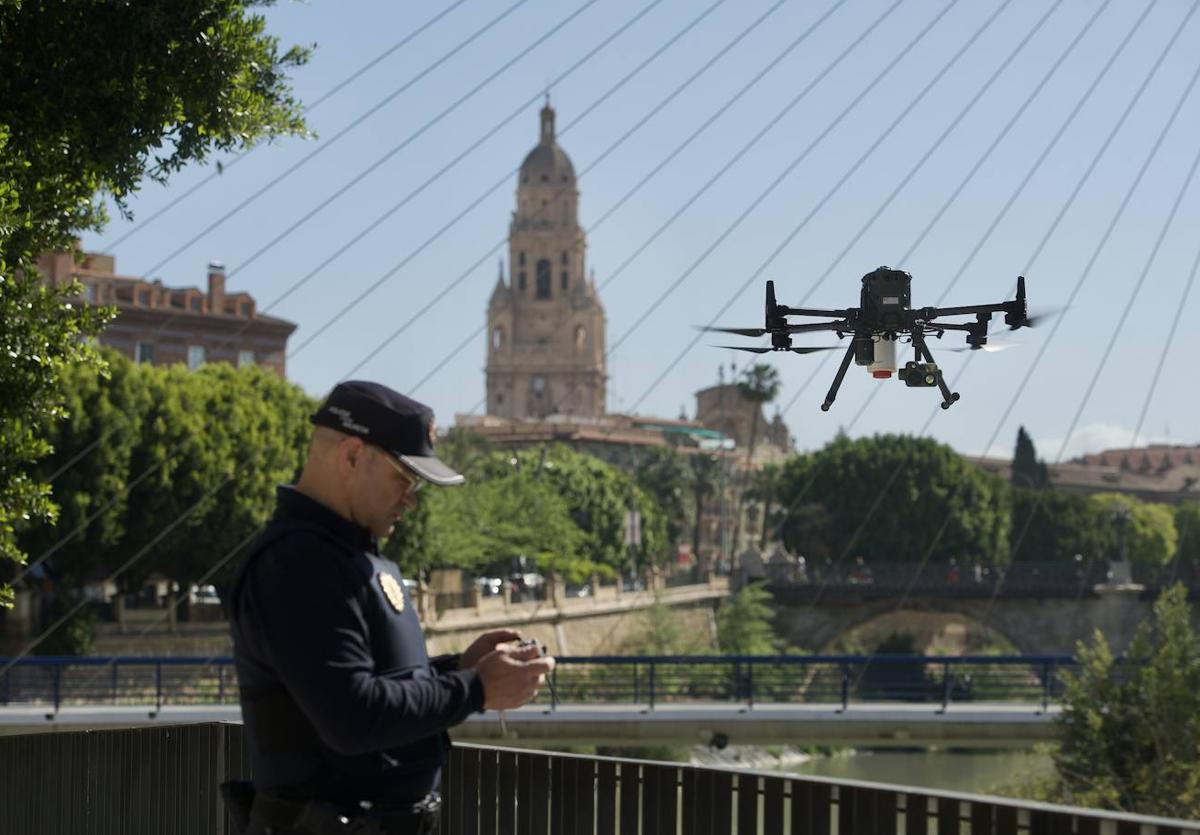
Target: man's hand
column 484, row 644
column 509, row 681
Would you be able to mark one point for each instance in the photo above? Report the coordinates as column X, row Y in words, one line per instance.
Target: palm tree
column 759, row 385
column 703, row 474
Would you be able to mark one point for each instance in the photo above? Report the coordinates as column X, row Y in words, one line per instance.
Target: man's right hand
column 510, row 681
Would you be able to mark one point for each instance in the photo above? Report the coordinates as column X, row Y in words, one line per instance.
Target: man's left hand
column 484, row 644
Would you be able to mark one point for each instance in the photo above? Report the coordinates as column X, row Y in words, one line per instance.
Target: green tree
column 156, row 444
column 759, row 385
column 1027, row 470
column 1187, row 525
column 1129, row 736
column 763, row 490
column 660, row 472
column 94, row 97
column 744, row 623
column 1145, row 531
column 704, row 474
column 1048, row 526
column 924, row 486
column 492, row 521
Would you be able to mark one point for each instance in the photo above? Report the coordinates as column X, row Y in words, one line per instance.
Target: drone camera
column 919, row 374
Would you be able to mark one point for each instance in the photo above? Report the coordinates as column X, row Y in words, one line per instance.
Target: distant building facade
column 1155, row 473
column 165, row 325
column 546, row 326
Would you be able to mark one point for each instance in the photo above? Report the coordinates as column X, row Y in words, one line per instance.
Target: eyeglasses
column 415, row 482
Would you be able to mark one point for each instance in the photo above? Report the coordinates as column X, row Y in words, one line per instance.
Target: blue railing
column 614, row 679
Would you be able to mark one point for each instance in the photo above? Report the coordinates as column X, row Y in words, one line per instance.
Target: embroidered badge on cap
column 392, row 591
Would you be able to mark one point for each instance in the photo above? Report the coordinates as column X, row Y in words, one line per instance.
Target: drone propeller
column 1039, row 318
column 739, row 331
column 991, row 347
column 812, row 349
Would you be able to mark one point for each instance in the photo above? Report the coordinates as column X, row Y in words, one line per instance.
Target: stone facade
column 723, row 407
column 546, row 326
column 165, row 325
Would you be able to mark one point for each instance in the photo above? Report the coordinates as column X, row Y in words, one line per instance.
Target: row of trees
column 893, row 498
column 184, row 465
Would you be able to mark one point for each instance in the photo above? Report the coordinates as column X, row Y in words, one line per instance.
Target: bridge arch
column 1034, row 625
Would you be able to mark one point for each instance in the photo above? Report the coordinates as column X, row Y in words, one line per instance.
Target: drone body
column 884, row 316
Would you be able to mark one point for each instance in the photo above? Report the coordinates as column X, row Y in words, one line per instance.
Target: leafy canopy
column 1129, row 728
column 94, row 97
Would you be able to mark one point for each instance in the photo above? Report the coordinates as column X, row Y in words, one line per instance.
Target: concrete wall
column 576, row 626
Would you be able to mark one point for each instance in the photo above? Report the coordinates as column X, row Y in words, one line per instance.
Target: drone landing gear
column 837, row 378
column 949, row 398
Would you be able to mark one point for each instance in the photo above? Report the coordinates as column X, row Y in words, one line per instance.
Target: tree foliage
column 1145, row 531
column 1027, row 469
column 744, row 624
column 1129, row 733
column 93, row 98
column 924, row 486
column 1048, row 526
column 533, row 488
column 152, row 445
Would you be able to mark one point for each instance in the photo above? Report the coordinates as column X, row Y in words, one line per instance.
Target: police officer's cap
column 387, row 419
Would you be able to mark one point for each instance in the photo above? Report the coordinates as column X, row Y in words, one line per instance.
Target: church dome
column 547, row 163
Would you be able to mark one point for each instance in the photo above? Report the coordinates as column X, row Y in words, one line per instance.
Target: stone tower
column 546, row 333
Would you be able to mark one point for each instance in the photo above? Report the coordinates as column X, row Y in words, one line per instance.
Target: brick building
column 164, row 325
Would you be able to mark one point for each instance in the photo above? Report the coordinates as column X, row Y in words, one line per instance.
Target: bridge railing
column 646, row 680
column 1070, row 579
column 147, row 781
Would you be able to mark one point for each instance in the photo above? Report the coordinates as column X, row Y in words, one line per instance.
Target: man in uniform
column 345, row 714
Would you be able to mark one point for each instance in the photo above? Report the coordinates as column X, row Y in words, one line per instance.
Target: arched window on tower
column 564, row 259
column 521, row 259
column 580, row 337
column 543, row 279
column 565, row 279
column 521, row 281
column 498, row 338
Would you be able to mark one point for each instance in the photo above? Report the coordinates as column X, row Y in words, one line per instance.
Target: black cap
column 398, row 425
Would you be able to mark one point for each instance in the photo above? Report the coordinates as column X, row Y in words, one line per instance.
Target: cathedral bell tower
column 546, row 327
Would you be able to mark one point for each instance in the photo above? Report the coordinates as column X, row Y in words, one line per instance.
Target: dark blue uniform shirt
column 339, row 699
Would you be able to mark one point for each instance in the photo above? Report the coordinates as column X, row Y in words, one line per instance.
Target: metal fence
column 149, row 781
column 642, row 680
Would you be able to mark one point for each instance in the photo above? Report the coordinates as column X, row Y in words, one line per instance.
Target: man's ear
column 351, row 453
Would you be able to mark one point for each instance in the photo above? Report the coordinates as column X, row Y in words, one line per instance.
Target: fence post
column 947, row 684
column 57, row 686
column 1046, row 665
column 651, row 685
column 637, row 684
column 845, row 686
column 220, row 684
column 750, row 688
column 554, row 689
column 114, row 681
column 158, row 685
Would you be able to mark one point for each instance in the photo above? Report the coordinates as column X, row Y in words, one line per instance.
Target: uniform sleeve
column 445, row 663
column 308, row 608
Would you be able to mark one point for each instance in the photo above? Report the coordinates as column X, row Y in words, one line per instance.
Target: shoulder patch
column 392, row 591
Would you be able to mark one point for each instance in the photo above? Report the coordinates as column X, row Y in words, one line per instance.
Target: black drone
column 885, row 315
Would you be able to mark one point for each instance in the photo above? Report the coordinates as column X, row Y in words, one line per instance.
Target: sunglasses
column 415, row 482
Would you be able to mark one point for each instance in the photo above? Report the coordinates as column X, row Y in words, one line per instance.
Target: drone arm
column 968, row 310
column 809, row 311
column 841, row 325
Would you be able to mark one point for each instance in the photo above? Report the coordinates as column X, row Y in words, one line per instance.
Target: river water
column 965, row 771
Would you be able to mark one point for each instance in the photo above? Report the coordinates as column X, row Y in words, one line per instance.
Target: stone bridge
column 1035, row 623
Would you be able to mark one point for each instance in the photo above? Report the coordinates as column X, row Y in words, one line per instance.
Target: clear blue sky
column 347, row 35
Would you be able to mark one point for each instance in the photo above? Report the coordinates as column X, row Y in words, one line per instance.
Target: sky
column 719, row 144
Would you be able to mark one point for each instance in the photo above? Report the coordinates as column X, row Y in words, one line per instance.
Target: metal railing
column 637, row 680
column 147, row 781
